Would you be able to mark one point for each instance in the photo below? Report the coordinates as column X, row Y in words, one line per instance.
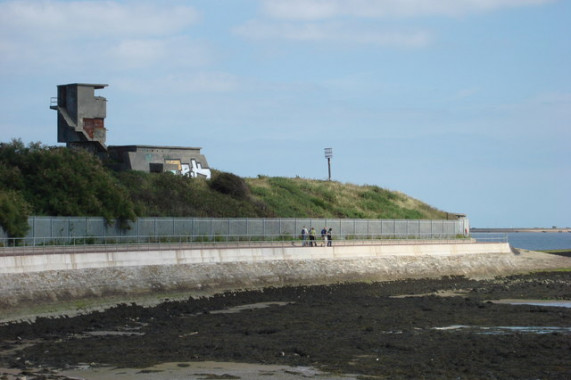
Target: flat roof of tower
column 94, row 85
column 132, row 147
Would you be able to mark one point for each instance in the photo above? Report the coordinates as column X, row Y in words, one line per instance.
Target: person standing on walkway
column 304, row 234
column 329, row 235
column 312, row 234
column 324, row 236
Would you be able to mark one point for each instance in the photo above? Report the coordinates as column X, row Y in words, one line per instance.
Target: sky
column 462, row 104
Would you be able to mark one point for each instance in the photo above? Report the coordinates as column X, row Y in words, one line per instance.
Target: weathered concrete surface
column 60, row 277
column 112, row 258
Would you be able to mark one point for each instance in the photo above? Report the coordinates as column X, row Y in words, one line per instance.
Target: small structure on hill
column 81, row 116
column 158, row 159
column 81, row 123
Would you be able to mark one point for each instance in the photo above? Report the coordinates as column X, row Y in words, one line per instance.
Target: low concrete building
column 157, row 159
column 81, row 123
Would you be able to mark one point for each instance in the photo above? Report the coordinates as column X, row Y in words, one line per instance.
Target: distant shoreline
column 520, row 229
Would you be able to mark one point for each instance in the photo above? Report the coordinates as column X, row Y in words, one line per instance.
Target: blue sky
column 463, row 104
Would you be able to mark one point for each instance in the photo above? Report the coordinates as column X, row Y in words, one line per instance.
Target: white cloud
column 332, row 32
column 182, row 83
column 92, row 19
column 325, row 9
column 70, row 36
column 165, row 53
column 138, row 52
column 301, row 9
column 203, row 82
column 341, row 21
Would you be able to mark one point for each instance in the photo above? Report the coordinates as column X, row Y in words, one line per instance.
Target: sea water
column 540, row 240
column 533, row 241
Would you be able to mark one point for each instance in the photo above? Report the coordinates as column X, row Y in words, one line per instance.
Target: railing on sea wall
column 484, row 237
column 11, row 246
column 58, row 228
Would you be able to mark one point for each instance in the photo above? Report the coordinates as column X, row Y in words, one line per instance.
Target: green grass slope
column 298, row 197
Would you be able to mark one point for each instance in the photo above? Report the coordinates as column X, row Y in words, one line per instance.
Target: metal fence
column 61, row 229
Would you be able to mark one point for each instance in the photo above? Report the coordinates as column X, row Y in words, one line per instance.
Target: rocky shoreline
column 447, row 328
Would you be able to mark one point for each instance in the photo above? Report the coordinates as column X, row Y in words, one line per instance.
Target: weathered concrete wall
column 65, row 276
column 112, row 259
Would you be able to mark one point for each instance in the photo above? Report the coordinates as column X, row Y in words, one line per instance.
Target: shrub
column 60, row 181
column 14, row 212
column 230, row 184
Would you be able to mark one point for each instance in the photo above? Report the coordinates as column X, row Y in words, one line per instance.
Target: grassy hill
column 298, row 197
column 56, row 181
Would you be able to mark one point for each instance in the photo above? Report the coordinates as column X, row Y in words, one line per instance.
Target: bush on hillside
column 58, row 181
column 162, row 194
column 230, row 184
column 14, row 212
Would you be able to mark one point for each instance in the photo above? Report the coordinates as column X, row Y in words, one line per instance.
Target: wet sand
column 204, row 370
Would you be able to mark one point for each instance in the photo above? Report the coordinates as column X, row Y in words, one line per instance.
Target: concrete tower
column 81, row 116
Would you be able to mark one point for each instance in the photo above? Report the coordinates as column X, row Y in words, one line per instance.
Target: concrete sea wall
column 53, row 276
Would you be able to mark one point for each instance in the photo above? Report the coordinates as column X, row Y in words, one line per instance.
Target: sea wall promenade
column 65, row 273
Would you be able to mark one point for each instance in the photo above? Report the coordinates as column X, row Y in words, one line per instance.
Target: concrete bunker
column 81, row 124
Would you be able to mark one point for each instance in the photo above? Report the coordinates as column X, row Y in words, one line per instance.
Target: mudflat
column 448, row 328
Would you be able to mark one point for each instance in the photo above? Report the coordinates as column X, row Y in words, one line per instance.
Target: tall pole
column 328, row 155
